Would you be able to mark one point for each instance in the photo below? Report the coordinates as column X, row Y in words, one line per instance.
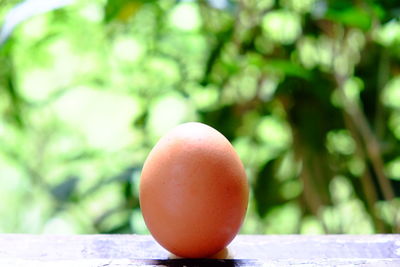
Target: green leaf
column 8, row 83
column 286, row 67
column 122, row 10
column 353, row 17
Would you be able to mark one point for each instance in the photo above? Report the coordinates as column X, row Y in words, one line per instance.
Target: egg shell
column 193, row 191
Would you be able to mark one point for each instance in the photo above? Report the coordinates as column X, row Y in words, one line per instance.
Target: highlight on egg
column 193, row 191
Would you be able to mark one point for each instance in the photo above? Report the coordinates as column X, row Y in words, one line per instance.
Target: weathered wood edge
column 245, row 250
column 197, row 263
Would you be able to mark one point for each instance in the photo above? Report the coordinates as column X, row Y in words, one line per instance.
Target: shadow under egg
column 222, row 254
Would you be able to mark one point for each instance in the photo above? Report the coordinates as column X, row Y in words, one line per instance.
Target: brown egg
column 193, row 191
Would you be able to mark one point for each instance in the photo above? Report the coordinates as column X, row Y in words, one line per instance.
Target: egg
column 193, row 191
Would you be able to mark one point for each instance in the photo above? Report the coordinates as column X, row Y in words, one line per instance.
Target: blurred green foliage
column 307, row 91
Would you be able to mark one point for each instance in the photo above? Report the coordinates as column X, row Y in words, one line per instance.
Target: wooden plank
column 245, row 250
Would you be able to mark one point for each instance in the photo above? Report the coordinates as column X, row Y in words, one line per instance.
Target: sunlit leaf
column 282, row 26
column 185, row 17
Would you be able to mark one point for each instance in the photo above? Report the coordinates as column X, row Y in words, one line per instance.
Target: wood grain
column 245, row 250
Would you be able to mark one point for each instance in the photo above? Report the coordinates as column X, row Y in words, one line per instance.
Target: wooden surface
column 138, row 250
